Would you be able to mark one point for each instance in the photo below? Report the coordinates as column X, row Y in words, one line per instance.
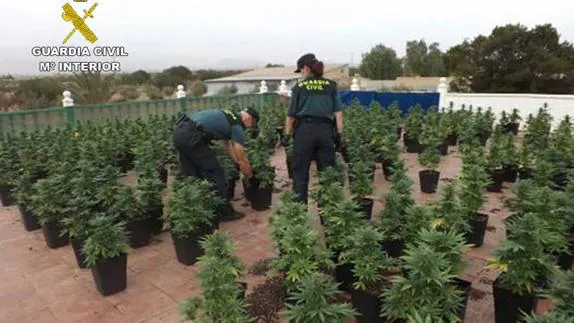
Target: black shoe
column 232, row 216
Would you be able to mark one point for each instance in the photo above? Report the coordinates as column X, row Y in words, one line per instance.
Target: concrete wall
column 558, row 105
column 242, row 87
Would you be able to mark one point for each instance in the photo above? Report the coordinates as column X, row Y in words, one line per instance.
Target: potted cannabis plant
column 369, row 266
column 50, row 204
column 391, row 155
column 429, row 159
column 361, row 186
column 190, row 217
column 495, row 161
column 316, row 299
column 230, row 170
column 148, row 194
column 510, row 158
column 7, row 172
column 414, row 126
column 127, row 208
column 105, row 249
column 24, row 191
column 513, row 123
column 525, row 266
column 259, row 188
column 222, row 299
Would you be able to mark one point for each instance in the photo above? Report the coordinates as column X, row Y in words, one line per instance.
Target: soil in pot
column 366, row 207
column 388, row 168
column 77, row 246
column 452, row 139
column 478, row 224
column 393, row 248
column 510, row 173
column 507, row 305
column 188, row 249
column 6, row 196
column 110, row 276
column 496, row 178
column 29, row 219
column 465, row 287
column 53, row 234
column 156, row 221
column 429, row 181
column 139, row 232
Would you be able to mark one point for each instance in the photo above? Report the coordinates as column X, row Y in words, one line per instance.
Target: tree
column 423, row 60
column 173, row 76
column 139, row 77
column 273, row 65
column 381, row 63
column 198, row 88
column 514, row 59
column 91, row 87
column 42, row 92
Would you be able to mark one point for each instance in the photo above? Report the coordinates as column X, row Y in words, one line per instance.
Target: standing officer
column 314, row 120
column 192, row 139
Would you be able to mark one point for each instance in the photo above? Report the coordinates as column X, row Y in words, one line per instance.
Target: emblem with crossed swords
column 70, row 14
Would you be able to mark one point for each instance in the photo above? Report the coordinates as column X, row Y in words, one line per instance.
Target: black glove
column 285, row 140
column 339, row 142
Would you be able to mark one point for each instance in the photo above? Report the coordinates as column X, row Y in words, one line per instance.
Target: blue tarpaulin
column 405, row 100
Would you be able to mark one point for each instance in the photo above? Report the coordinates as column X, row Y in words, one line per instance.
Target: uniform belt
column 315, row 120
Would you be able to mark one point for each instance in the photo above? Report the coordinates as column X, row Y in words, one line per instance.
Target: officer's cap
column 305, row 59
column 253, row 113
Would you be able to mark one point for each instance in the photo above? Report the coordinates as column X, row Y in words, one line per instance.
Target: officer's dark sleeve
column 237, row 134
column 337, row 99
column 293, row 101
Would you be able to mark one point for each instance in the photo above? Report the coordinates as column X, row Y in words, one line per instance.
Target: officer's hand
column 285, row 140
column 338, row 141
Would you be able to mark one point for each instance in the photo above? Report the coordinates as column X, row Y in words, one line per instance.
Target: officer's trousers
column 198, row 160
column 312, row 140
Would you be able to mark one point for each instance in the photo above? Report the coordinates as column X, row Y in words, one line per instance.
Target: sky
column 250, row 33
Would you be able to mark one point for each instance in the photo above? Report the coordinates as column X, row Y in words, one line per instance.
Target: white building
column 249, row 82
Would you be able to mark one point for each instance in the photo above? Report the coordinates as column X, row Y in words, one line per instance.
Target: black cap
column 307, row 58
column 253, row 113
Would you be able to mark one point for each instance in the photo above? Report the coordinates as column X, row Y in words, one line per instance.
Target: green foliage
column 153, row 92
column 191, row 206
column 106, row 239
column 197, row 89
column 548, row 317
column 172, row 77
column 91, row 88
column 446, row 212
column 414, row 122
column 364, row 253
column 423, row 60
column 360, row 181
column 473, row 180
column 341, row 217
column 126, row 206
column 50, row 199
column 490, row 64
column 44, row 92
column 219, row 272
column 316, row 301
column 380, row 63
column 448, row 242
column 561, row 292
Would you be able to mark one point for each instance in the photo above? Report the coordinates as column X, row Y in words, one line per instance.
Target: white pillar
column 283, row 88
column 67, row 101
column 180, row 92
column 355, row 85
column 263, row 87
column 442, row 90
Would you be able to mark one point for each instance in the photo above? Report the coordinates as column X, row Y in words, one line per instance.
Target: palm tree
column 91, row 87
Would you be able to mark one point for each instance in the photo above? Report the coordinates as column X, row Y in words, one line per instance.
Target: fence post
column 68, row 104
column 442, row 90
column 180, row 94
column 355, row 85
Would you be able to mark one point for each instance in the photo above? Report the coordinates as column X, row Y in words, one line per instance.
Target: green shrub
column 107, row 239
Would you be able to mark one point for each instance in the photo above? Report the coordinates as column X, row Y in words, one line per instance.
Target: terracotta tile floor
column 42, row 285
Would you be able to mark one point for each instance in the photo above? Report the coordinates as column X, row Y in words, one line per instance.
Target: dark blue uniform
column 313, row 104
column 192, row 138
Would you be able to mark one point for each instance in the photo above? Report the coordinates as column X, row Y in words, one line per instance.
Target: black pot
column 393, row 248
column 343, row 273
column 188, row 249
column 428, row 180
column 478, row 224
column 247, row 190
column 139, row 232
column 366, row 207
column 399, row 132
column 507, row 305
column 452, row 139
column 465, row 287
column 560, row 180
column 413, row 145
column 367, row 305
column 156, row 221
column 29, row 218
column 53, row 234
column 110, row 276
column 511, row 127
column 496, row 179
column 6, row 196
column 444, row 148
column 510, row 173
column 231, row 189
column 127, row 163
column 77, row 246
column 388, row 171
column 162, row 173
column 483, row 138
column 242, row 289
column 289, row 163
column 260, row 198
column 565, row 260
column 524, row 173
